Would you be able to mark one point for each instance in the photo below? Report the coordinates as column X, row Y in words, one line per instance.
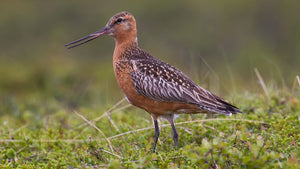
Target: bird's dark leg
column 175, row 134
column 156, row 135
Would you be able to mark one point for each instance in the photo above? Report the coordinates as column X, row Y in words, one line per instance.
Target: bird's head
column 121, row 26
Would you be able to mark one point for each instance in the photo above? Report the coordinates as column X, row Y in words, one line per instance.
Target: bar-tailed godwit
column 151, row 84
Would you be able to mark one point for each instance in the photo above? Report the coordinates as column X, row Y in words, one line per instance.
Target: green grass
column 40, row 133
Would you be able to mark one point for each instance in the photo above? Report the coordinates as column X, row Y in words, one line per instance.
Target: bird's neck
column 123, row 48
column 126, row 37
column 123, row 40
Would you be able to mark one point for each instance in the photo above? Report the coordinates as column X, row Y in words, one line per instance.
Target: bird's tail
column 226, row 108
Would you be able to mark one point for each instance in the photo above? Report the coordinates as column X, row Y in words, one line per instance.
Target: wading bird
column 151, row 84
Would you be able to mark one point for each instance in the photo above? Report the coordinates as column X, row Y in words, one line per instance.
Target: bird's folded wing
column 162, row 82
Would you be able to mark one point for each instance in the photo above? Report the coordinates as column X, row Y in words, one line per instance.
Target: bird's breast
column 122, row 70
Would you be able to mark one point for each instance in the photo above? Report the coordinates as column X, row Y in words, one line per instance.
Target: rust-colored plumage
column 151, row 84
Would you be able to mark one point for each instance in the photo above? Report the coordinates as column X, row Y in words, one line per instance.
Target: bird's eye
column 119, row 20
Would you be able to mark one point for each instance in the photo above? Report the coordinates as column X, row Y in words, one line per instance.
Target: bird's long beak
column 88, row 38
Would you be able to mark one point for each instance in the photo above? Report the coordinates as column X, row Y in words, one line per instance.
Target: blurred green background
column 216, row 43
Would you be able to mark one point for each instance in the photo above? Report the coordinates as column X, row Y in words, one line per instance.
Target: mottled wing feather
column 157, row 88
column 160, row 81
